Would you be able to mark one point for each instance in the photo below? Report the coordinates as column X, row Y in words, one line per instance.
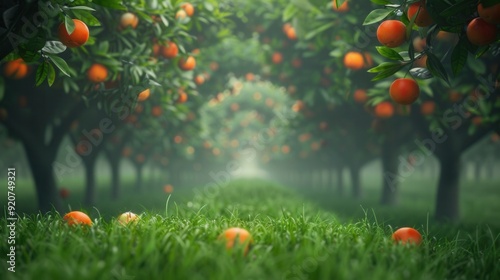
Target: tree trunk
column 90, row 181
column 390, row 178
column 447, row 201
column 138, row 180
column 115, row 177
column 40, row 161
column 340, row 180
column 355, row 181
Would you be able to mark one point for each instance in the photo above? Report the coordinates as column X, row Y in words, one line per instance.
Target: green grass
column 293, row 239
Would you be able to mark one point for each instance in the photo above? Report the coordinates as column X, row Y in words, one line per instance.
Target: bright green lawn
column 293, row 240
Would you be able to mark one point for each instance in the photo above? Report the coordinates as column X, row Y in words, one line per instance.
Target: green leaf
column 389, row 53
column 53, row 47
column 381, row 2
column 459, row 57
column 69, row 24
column 377, row 15
column 87, row 17
column 290, row 11
column 318, row 30
column 113, row 4
column 60, row 64
column 386, row 69
column 51, row 75
column 436, row 67
column 85, row 8
column 41, row 73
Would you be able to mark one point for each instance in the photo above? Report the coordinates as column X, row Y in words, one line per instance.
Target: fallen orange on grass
column 77, row 218
column 406, row 235
column 237, row 237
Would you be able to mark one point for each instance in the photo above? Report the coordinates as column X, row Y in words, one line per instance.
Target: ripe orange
column 298, row 106
column 286, row 26
column 384, row 110
column 421, row 62
column 480, row 32
column 404, row 91
column 129, row 19
column 156, row 111
column 490, row 14
column 187, row 64
column 16, row 69
column 423, row 18
column 168, row 188
column 291, row 34
column 427, row 108
column 368, row 60
column 342, row 9
column 407, row 235
column 277, row 58
column 360, row 96
column 97, row 73
column 354, row 60
column 183, row 97
column 170, row 50
column 144, row 95
column 250, row 77
column 419, row 44
column 199, row 79
column 79, row 36
column 188, row 8
column 77, row 218
column 235, row 237
column 285, row 149
column 391, row 33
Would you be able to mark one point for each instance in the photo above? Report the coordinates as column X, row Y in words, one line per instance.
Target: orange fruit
column 183, row 97
column 391, row 33
column 235, row 237
column 427, row 108
column 16, row 69
column 127, row 218
column 144, row 95
column 407, row 235
column 342, row 9
column 170, row 50
column 368, row 60
column 129, row 19
column 490, row 14
column 298, row 106
column 77, row 38
column 419, row 44
column 178, row 139
column 354, row 60
column 477, row 120
column 285, row 149
column 199, row 79
column 77, row 218
column 360, row 96
column 181, row 14
column 384, row 110
column 404, row 91
column 168, row 189
column 250, row 77
column 97, row 73
column 291, row 34
column 423, row 18
column 188, row 8
column 156, row 111
column 235, row 107
column 421, row 62
column 480, row 32
column 277, row 58
column 286, row 26
column 214, row 66
column 187, row 64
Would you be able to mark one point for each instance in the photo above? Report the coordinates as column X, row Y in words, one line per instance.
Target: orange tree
column 116, row 63
column 445, row 39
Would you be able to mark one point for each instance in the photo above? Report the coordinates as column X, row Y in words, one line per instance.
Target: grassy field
column 294, row 238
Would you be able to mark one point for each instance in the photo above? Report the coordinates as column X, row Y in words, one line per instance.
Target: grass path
column 293, row 240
